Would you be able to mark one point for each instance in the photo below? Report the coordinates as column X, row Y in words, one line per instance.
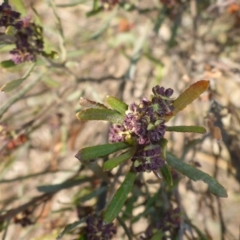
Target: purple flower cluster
column 97, row 230
column 28, row 35
column 144, row 124
column 8, row 17
column 147, row 157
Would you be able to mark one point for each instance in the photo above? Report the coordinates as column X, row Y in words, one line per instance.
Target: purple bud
column 168, row 92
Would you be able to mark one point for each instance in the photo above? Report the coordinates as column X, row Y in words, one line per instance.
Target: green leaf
column 11, row 85
column 51, row 82
column 10, row 31
column 167, row 175
column 37, row 18
column 93, row 152
column 158, row 235
column 197, row 175
column 115, row 206
column 153, row 59
column 114, row 162
column 160, row 19
column 177, row 24
column 94, row 12
column 96, row 9
column 60, row 186
column 18, row 5
column 69, row 228
column 163, row 143
column 195, row 129
column 117, row 104
column 15, row 83
column 188, row 96
column 50, row 54
column 100, row 114
column 7, row 64
column 129, row 207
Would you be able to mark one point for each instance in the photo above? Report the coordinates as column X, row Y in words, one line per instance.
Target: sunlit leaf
column 51, row 54
column 194, row 129
column 15, row 83
column 93, row 152
column 114, row 162
column 10, row 31
column 19, row 6
column 197, row 175
column 163, row 143
column 188, row 96
column 115, row 206
column 100, row 114
column 117, row 104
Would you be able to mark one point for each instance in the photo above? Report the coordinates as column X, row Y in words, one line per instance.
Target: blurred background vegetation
column 123, row 49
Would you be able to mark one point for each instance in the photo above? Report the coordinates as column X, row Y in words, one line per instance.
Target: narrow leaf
column 160, row 19
column 114, row 162
column 69, row 228
column 197, row 175
column 119, row 198
column 167, row 175
column 100, row 114
column 15, row 83
column 93, row 152
column 195, row 129
column 60, row 186
column 188, row 96
column 117, row 104
column 12, row 85
column 18, row 5
column 7, row 64
column 158, row 235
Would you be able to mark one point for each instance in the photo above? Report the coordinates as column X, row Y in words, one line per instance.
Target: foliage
column 131, row 167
